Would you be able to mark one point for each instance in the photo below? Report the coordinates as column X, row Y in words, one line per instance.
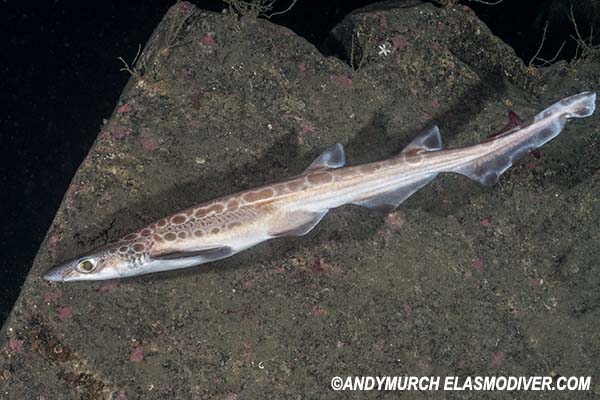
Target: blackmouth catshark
column 293, row 207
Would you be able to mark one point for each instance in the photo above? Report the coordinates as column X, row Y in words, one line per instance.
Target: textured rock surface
column 461, row 280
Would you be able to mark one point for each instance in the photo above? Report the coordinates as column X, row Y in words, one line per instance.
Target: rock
column 434, row 50
column 254, row 102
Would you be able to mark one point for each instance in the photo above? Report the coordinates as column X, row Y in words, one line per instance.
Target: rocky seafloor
column 460, row 281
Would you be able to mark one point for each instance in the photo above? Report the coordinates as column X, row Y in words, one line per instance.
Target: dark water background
column 60, row 77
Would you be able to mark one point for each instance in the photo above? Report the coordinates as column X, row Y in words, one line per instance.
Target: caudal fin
column 532, row 134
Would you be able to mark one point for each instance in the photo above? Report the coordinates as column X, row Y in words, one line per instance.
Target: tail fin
column 534, row 133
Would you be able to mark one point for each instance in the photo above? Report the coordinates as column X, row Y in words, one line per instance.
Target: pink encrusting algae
column 137, row 355
column 16, row 345
column 64, row 312
column 342, row 80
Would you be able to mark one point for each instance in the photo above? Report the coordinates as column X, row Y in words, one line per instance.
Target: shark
column 227, row 225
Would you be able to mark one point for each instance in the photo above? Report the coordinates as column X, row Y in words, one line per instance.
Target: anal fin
column 388, row 201
column 487, row 169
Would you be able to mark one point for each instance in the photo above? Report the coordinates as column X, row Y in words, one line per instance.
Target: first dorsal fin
column 430, row 140
column 333, row 157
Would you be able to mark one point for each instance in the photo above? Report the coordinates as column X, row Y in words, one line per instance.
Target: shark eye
column 86, row 265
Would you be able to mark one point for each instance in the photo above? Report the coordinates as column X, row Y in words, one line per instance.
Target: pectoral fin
column 207, row 254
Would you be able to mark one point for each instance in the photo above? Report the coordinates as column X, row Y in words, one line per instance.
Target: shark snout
column 55, row 274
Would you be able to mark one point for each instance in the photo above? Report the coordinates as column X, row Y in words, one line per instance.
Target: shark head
column 107, row 262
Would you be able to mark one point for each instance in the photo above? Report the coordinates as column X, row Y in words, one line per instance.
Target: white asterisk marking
column 384, row 50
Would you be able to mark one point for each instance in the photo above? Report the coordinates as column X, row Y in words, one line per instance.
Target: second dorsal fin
column 333, row 157
column 430, row 140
